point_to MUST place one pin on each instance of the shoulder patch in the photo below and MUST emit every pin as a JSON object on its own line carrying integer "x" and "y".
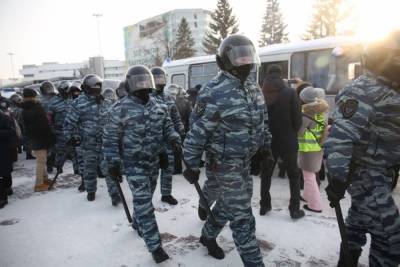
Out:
{"x": 200, "y": 108}
{"x": 348, "y": 108}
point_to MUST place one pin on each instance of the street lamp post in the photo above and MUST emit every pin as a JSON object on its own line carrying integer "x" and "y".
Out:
{"x": 98, "y": 16}
{"x": 12, "y": 64}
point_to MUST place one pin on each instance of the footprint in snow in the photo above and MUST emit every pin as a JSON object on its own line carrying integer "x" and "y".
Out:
{"x": 9, "y": 222}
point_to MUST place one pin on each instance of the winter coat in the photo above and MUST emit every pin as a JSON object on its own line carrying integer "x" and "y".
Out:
{"x": 311, "y": 161}
{"x": 8, "y": 144}
{"x": 284, "y": 113}
{"x": 36, "y": 125}
{"x": 185, "y": 109}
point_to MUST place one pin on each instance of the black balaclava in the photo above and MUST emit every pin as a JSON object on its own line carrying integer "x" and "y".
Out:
{"x": 143, "y": 95}
{"x": 241, "y": 72}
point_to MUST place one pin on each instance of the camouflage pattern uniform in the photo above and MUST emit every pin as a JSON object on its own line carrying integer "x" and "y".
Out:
{"x": 210, "y": 187}
{"x": 166, "y": 174}
{"x": 51, "y": 153}
{"x": 112, "y": 187}
{"x": 88, "y": 117}
{"x": 232, "y": 124}
{"x": 45, "y": 101}
{"x": 362, "y": 148}
{"x": 132, "y": 137}
{"x": 57, "y": 110}
{"x": 77, "y": 159}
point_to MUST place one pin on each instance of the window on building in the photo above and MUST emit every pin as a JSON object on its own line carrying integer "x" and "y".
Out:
{"x": 28, "y": 75}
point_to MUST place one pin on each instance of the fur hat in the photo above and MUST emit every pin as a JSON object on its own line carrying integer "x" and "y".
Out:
{"x": 310, "y": 94}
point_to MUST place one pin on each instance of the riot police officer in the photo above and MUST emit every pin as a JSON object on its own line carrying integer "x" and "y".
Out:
{"x": 159, "y": 95}
{"x": 48, "y": 91}
{"x": 231, "y": 126}
{"x": 137, "y": 125}
{"x": 57, "y": 110}
{"x": 362, "y": 151}
{"x": 84, "y": 125}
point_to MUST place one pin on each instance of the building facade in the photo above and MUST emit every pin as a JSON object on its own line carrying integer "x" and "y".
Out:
{"x": 107, "y": 69}
{"x": 151, "y": 41}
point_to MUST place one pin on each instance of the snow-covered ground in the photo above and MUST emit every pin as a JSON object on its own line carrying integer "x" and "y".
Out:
{"x": 61, "y": 228}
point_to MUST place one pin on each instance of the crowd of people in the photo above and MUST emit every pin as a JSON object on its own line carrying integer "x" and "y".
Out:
{"x": 235, "y": 129}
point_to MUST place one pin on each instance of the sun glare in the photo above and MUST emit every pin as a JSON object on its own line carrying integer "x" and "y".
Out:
{"x": 377, "y": 18}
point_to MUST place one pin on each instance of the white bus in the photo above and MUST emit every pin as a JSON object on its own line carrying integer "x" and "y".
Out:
{"x": 328, "y": 63}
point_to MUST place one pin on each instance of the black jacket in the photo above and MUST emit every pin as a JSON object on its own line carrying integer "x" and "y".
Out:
{"x": 185, "y": 109}
{"x": 37, "y": 126}
{"x": 8, "y": 144}
{"x": 284, "y": 114}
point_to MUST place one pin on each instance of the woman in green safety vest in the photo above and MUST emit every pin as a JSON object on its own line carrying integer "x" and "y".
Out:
{"x": 310, "y": 139}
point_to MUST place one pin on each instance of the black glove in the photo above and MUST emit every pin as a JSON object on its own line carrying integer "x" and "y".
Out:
{"x": 177, "y": 148}
{"x": 115, "y": 172}
{"x": 163, "y": 157}
{"x": 335, "y": 191}
{"x": 191, "y": 175}
{"x": 74, "y": 141}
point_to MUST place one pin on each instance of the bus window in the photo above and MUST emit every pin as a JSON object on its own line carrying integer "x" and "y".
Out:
{"x": 318, "y": 67}
{"x": 179, "y": 79}
{"x": 297, "y": 65}
{"x": 202, "y": 73}
{"x": 263, "y": 70}
{"x": 348, "y": 60}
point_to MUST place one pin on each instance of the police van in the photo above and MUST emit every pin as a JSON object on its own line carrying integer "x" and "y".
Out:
{"x": 327, "y": 63}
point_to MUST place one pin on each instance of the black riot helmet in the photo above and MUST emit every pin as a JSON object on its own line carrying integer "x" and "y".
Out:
{"x": 237, "y": 55}
{"x": 75, "y": 89}
{"x": 382, "y": 57}
{"x": 63, "y": 88}
{"x": 160, "y": 77}
{"x": 109, "y": 94}
{"x": 91, "y": 84}
{"x": 47, "y": 88}
{"x": 139, "y": 78}
{"x": 121, "y": 90}
{"x": 15, "y": 99}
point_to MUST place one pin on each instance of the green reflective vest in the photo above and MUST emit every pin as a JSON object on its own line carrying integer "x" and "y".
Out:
{"x": 309, "y": 142}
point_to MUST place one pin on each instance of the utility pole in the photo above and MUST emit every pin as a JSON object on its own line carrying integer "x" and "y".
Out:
{"x": 98, "y": 16}
{"x": 12, "y": 64}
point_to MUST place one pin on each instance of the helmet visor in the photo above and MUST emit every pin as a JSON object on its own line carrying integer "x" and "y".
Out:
{"x": 141, "y": 81}
{"x": 243, "y": 55}
{"x": 159, "y": 79}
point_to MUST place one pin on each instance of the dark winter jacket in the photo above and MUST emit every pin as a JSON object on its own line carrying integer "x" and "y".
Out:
{"x": 36, "y": 125}
{"x": 284, "y": 113}
{"x": 185, "y": 109}
{"x": 8, "y": 144}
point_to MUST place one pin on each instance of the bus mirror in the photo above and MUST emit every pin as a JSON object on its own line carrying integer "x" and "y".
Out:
{"x": 354, "y": 70}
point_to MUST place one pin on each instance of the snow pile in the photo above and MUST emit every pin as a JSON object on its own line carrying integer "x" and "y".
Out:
{"x": 61, "y": 228}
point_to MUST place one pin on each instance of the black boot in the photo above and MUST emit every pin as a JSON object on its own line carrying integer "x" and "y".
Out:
{"x": 296, "y": 214}
{"x": 29, "y": 156}
{"x": 49, "y": 169}
{"x": 159, "y": 255}
{"x": 214, "y": 250}
{"x": 202, "y": 213}
{"x": 82, "y": 188}
{"x": 354, "y": 256}
{"x": 3, "y": 202}
{"x": 9, "y": 191}
{"x": 115, "y": 199}
{"x": 265, "y": 208}
{"x": 91, "y": 196}
{"x": 169, "y": 199}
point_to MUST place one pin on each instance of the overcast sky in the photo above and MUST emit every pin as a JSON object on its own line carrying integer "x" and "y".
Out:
{"x": 65, "y": 30}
